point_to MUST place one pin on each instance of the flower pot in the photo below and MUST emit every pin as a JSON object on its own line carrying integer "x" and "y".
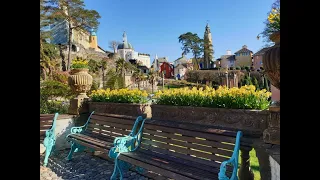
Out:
{"x": 80, "y": 81}
{"x": 253, "y": 121}
{"x": 271, "y": 61}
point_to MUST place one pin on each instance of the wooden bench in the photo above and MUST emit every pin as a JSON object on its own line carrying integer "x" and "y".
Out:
{"x": 182, "y": 151}
{"x": 47, "y": 133}
{"x": 99, "y": 132}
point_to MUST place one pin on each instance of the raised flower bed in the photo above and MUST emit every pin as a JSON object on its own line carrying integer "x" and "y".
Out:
{"x": 239, "y": 108}
{"x": 121, "y": 101}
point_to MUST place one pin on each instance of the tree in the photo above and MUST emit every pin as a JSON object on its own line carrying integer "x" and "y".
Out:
{"x": 152, "y": 78}
{"x": 113, "y": 45}
{"x": 138, "y": 76}
{"x": 78, "y": 18}
{"x": 192, "y": 43}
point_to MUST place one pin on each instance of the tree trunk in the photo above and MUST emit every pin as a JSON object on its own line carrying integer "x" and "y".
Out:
{"x": 152, "y": 87}
{"x": 70, "y": 44}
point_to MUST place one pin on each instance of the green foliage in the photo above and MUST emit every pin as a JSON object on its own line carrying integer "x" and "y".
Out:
{"x": 114, "y": 81}
{"x": 245, "y": 97}
{"x": 60, "y": 77}
{"x": 192, "y": 43}
{"x": 50, "y": 89}
{"x": 119, "y": 96}
{"x": 50, "y": 107}
{"x": 238, "y": 68}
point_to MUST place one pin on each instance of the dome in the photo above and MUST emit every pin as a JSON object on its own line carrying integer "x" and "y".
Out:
{"x": 125, "y": 45}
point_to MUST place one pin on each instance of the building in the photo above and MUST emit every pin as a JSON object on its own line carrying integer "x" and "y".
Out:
{"x": 81, "y": 38}
{"x": 167, "y": 69}
{"x": 180, "y": 70}
{"x": 126, "y": 51}
{"x": 181, "y": 60}
{"x": 157, "y": 62}
{"x": 257, "y": 58}
{"x": 208, "y": 49}
{"x": 227, "y": 60}
{"x": 243, "y": 57}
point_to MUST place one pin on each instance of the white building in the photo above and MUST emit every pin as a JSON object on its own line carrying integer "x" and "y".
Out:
{"x": 126, "y": 51}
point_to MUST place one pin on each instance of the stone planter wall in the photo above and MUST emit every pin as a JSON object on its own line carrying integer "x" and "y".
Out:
{"x": 251, "y": 121}
{"x": 121, "y": 108}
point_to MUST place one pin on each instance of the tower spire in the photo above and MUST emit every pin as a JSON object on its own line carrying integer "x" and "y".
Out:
{"x": 124, "y": 37}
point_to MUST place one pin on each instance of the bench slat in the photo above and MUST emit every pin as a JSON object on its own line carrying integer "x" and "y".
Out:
{"x": 191, "y": 139}
{"x": 185, "y": 151}
{"x": 92, "y": 140}
{"x": 208, "y": 136}
{"x": 175, "y": 169}
{"x": 112, "y": 119}
{"x": 189, "y": 145}
{"x": 153, "y": 168}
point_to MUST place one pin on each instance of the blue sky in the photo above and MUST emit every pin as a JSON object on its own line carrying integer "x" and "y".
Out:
{"x": 153, "y": 27}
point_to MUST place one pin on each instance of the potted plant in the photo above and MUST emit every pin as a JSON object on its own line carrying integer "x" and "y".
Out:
{"x": 240, "y": 108}
{"x": 130, "y": 102}
{"x": 80, "y": 82}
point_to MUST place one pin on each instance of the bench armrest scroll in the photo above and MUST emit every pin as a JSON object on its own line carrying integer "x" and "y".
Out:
{"x": 79, "y": 129}
{"x": 50, "y": 132}
{"x": 233, "y": 160}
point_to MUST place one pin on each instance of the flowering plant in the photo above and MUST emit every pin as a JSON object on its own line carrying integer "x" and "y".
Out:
{"x": 246, "y": 97}
{"x": 119, "y": 96}
{"x": 79, "y": 63}
{"x": 273, "y": 21}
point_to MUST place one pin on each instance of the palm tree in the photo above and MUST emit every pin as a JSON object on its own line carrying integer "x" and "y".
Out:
{"x": 152, "y": 77}
{"x": 138, "y": 76}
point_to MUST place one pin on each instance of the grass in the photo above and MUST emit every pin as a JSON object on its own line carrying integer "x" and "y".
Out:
{"x": 254, "y": 164}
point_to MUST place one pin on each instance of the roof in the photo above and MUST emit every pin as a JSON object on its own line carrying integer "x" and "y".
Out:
{"x": 183, "y": 58}
{"x": 228, "y": 57}
{"x": 261, "y": 51}
{"x": 243, "y": 50}
{"x": 143, "y": 67}
{"x": 125, "y": 45}
{"x": 163, "y": 59}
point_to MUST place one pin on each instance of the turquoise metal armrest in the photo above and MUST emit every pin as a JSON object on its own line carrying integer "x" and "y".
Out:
{"x": 79, "y": 129}
{"x": 233, "y": 160}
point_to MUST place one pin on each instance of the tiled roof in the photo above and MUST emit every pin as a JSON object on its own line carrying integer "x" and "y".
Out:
{"x": 243, "y": 50}
{"x": 228, "y": 57}
{"x": 261, "y": 51}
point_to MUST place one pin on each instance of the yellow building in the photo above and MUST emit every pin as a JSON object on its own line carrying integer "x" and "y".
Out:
{"x": 244, "y": 57}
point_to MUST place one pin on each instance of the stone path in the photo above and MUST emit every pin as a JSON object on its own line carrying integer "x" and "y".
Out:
{"x": 83, "y": 166}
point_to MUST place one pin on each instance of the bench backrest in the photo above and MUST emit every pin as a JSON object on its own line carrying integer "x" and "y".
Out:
{"x": 102, "y": 125}
{"x": 46, "y": 123}
{"x": 205, "y": 149}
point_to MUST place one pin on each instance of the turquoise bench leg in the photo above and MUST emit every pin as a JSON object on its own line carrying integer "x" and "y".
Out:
{"x": 73, "y": 149}
{"x": 48, "y": 151}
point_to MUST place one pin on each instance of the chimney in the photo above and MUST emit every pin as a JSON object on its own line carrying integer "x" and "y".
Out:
{"x": 228, "y": 52}
{"x": 245, "y": 46}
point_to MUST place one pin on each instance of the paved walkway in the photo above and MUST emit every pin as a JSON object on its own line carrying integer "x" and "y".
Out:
{"x": 83, "y": 166}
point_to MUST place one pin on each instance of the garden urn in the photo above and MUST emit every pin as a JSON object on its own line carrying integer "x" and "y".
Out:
{"x": 271, "y": 61}
{"x": 80, "y": 82}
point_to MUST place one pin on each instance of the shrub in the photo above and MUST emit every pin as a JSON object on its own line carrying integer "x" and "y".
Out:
{"x": 51, "y": 89}
{"x": 119, "y": 96}
{"x": 238, "y": 68}
{"x": 50, "y": 107}
{"x": 245, "y": 97}
{"x": 60, "y": 76}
